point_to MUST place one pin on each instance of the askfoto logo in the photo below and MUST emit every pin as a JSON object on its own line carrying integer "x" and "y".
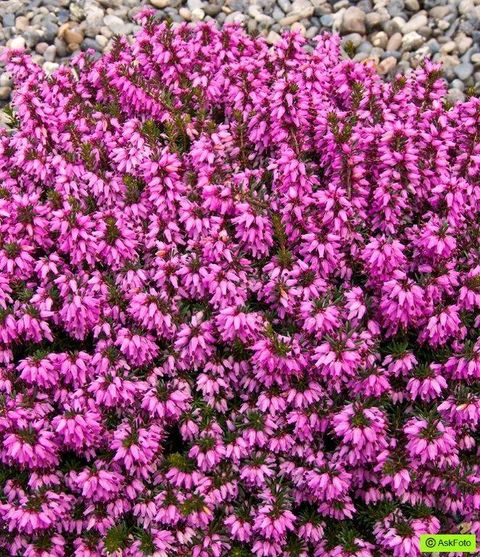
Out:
{"x": 448, "y": 543}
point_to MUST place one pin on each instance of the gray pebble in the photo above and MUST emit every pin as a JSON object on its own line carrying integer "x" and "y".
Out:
{"x": 463, "y": 71}
{"x": 50, "y": 53}
{"x": 117, "y": 25}
{"x": 458, "y": 84}
{"x": 396, "y": 7}
{"x": 277, "y": 13}
{"x": 284, "y": 5}
{"x": 365, "y": 47}
{"x": 412, "y": 5}
{"x": 212, "y": 9}
{"x": 8, "y": 20}
{"x": 90, "y": 43}
{"x": 355, "y": 38}
{"x": 326, "y": 20}
{"x": 412, "y": 41}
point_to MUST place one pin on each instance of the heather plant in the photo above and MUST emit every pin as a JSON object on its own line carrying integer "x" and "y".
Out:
{"x": 239, "y": 303}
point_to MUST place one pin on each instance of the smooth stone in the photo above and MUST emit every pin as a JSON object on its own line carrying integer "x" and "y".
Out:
{"x": 21, "y": 23}
{"x": 458, "y": 84}
{"x": 63, "y": 16}
{"x": 5, "y": 80}
{"x": 412, "y": 41}
{"x": 465, "y": 7}
{"x": 160, "y": 3}
{"x": 77, "y": 12}
{"x": 433, "y": 46}
{"x": 448, "y": 47}
{"x": 91, "y": 43}
{"x": 373, "y": 20}
{"x": 414, "y": 23}
{"x": 260, "y": 17}
{"x": 198, "y": 14}
{"x": 380, "y": 39}
{"x": 273, "y": 37}
{"x": 285, "y": 6}
{"x": 475, "y": 59}
{"x": 50, "y": 67}
{"x": 443, "y": 25}
{"x": 105, "y": 31}
{"x": 463, "y": 71}
{"x": 360, "y": 56}
{"x": 8, "y": 20}
{"x": 455, "y": 95}
{"x": 101, "y": 40}
{"x": 235, "y": 17}
{"x": 365, "y": 47}
{"x": 463, "y": 42}
{"x": 355, "y": 38}
{"x": 353, "y": 21}
{"x": 49, "y": 28}
{"x": 117, "y": 25}
{"x": 326, "y": 20}
{"x": 41, "y": 48}
{"x": 212, "y": 9}
{"x": 94, "y": 17}
{"x": 393, "y": 26}
{"x": 17, "y": 43}
{"x": 73, "y": 36}
{"x": 387, "y": 65}
{"x": 61, "y": 47}
{"x": 5, "y": 93}
{"x": 394, "y": 42}
{"x": 425, "y": 31}
{"x": 439, "y": 12}
{"x": 194, "y": 4}
{"x": 298, "y": 27}
{"x": 395, "y": 7}
{"x": 50, "y": 53}
{"x": 185, "y": 13}
{"x": 412, "y": 5}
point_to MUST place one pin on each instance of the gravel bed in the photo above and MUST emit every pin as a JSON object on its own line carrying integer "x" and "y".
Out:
{"x": 396, "y": 34}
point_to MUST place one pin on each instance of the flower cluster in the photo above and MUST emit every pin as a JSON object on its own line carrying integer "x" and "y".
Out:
{"x": 239, "y": 303}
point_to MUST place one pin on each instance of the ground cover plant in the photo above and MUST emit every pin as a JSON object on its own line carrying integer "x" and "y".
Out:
{"x": 239, "y": 292}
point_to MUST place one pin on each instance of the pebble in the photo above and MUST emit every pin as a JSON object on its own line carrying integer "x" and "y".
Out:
{"x": 17, "y": 43}
{"x": 198, "y": 14}
{"x": 380, "y": 39}
{"x": 273, "y": 38}
{"x": 411, "y": 41}
{"x": 414, "y": 24}
{"x": 412, "y": 5}
{"x": 463, "y": 71}
{"x": 50, "y": 67}
{"x": 394, "y": 42}
{"x": 4, "y": 93}
{"x": 353, "y": 21}
{"x": 50, "y": 53}
{"x": 73, "y": 36}
{"x": 117, "y": 25}
{"x": 387, "y": 65}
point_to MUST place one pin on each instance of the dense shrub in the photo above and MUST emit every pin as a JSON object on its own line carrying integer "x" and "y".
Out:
{"x": 239, "y": 294}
